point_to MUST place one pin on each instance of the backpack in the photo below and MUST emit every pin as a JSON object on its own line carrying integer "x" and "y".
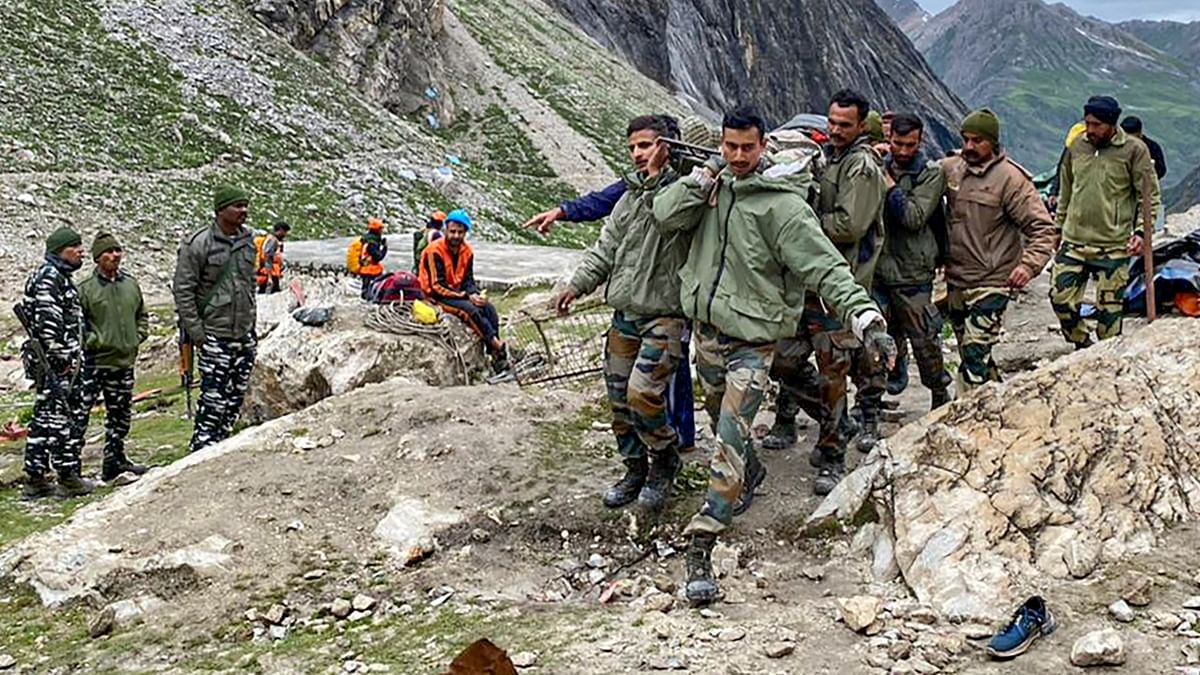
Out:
{"x": 395, "y": 287}
{"x": 354, "y": 255}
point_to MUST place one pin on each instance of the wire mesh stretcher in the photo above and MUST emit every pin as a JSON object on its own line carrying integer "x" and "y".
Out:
{"x": 548, "y": 347}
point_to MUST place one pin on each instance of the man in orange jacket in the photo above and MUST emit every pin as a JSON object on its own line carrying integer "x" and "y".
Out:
{"x": 447, "y": 275}
{"x": 270, "y": 258}
{"x": 374, "y": 250}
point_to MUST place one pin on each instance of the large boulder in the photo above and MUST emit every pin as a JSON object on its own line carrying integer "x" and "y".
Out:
{"x": 1059, "y": 470}
{"x": 299, "y": 365}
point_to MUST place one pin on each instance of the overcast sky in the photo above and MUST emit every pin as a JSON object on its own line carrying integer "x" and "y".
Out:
{"x": 1113, "y": 10}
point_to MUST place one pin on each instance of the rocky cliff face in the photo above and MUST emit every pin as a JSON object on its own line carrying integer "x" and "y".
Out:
{"x": 787, "y": 57}
{"x": 391, "y": 50}
{"x": 1185, "y": 194}
{"x": 908, "y": 15}
{"x": 1181, "y": 40}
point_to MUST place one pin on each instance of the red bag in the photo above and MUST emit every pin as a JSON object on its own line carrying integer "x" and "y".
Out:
{"x": 396, "y": 287}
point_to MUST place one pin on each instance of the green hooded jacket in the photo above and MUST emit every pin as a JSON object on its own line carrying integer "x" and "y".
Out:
{"x": 1100, "y": 190}
{"x": 909, "y": 255}
{"x": 755, "y": 253}
{"x": 851, "y": 206}
{"x": 640, "y": 263}
{"x": 114, "y": 319}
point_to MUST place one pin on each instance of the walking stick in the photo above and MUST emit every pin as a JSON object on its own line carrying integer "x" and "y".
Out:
{"x": 1148, "y": 248}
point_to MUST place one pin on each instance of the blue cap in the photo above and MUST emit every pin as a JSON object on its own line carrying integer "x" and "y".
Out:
{"x": 459, "y": 216}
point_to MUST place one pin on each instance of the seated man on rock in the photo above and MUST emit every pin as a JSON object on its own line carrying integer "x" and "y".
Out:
{"x": 447, "y": 276}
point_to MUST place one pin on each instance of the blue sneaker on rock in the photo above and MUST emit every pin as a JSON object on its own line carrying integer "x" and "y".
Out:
{"x": 1030, "y": 622}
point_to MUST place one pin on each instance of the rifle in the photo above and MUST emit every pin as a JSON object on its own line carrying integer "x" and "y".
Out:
{"x": 44, "y": 372}
{"x": 186, "y": 363}
{"x": 686, "y": 155}
{"x": 1148, "y": 248}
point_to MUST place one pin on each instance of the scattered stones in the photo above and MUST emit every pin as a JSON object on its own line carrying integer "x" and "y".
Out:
{"x": 813, "y": 572}
{"x": 659, "y": 602}
{"x": 313, "y": 575}
{"x": 275, "y": 614}
{"x": 881, "y": 661}
{"x": 731, "y": 634}
{"x": 665, "y": 583}
{"x": 668, "y": 663}
{"x": 726, "y": 559}
{"x": 340, "y": 608}
{"x": 1099, "y": 648}
{"x": 597, "y": 561}
{"x": 709, "y": 613}
{"x": 362, "y": 603}
{"x": 1082, "y": 556}
{"x": 480, "y": 535}
{"x": 924, "y": 615}
{"x": 304, "y": 443}
{"x": 1121, "y": 611}
{"x": 102, "y": 624}
{"x": 778, "y": 650}
{"x": 1137, "y": 590}
{"x": 277, "y": 632}
{"x": 524, "y": 659}
{"x": 1191, "y": 651}
{"x": 357, "y": 616}
{"x": 1192, "y": 602}
{"x": 1165, "y": 620}
{"x": 977, "y": 631}
{"x": 7, "y": 661}
{"x": 899, "y": 650}
{"x": 860, "y": 611}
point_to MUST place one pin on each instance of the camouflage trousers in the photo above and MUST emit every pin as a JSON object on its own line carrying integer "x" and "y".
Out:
{"x": 1073, "y": 267}
{"x": 912, "y": 316}
{"x": 49, "y": 442}
{"x": 116, "y": 386}
{"x": 640, "y": 358}
{"x": 734, "y": 374}
{"x": 976, "y": 315}
{"x": 225, "y": 365}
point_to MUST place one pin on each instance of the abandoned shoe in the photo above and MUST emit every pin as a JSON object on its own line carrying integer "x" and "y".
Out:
{"x": 74, "y": 485}
{"x": 756, "y": 473}
{"x": 37, "y": 487}
{"x": 1031, "y": 621}
{"x": 659, "y": 478}
{"x": 897, "y": 380}
{"x": 118, "y": 464}
{"x": 701, "y": 584}
{"x": 782, "y": 435}
{"x": 828, "y": 476}
{"x": 626, "y": 490}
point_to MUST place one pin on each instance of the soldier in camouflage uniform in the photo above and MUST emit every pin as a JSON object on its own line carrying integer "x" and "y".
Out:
{"x": 51, "y": 305}
{"x": 1000, "y": 238}
{"x": 215, "y": 300}
{"x": 904, "y": 278}
{"x": 115, "y": 324}
{"x": 851, "y": 211}
{"x": 643, "y": 346}
{"x": 756, "y": 245}
{"x": 1101, "y": 184}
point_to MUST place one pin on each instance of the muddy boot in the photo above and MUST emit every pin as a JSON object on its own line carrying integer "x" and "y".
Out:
{"x": 869, "y": 435}
{"x": 500, "y": 362}
{"x": 756, "y": 473}
{"x": 897, "y": 380}
{"x": 37, "y": 487}
{"x": 782, "y": 435}
{"x": 117, "y": 464}
{"x": 659, "y": 480}
{"x": 626, "y": 490}
{"x": 939, "y": 398}
{"x": 74, "y": 485}
{"x": 829, "y": 475}
{"x": 701, "y": 584}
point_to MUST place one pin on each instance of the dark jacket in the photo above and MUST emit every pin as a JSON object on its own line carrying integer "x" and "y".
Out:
{"x": 115, "y": 322}
{"x": 1156, "y": 154}
{"x": 910, "y": 252}
{"x": 51, "y": 302}
{"x": 210, "y": 297}
{"x": 593, "y": 205}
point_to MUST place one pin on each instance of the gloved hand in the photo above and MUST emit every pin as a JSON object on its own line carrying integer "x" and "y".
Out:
{"x": 880, "y": 346}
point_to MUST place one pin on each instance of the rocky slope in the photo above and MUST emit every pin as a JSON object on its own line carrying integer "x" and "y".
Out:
{"x": 1036, "y": 64}
{"x": 1181, "y": 40}
{"x": 907, "y": 14}
{"x": 787, "y": 57}
{"x": 1185, "y": 194}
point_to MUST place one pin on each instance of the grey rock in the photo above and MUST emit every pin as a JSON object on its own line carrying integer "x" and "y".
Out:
{"x": 1099, "y": 648}
{"x": 596, "y": 561}
{"x": 7, "y": 661}
{"x": 275, "y": 614}
{"x": 362, "y": 603}
{"x": 340, "y": 608}
{"x": 1192, "y": 602}
{"x": 102, "y": 624}
{"x": 1121, "y": 611}
{"x": 778, "y": 650}
{"x": 277, "y": 632}
{"x": 881, "y": 661}
{"x": 731, "y": 634}
{"x": 1138, "y": 590}
{"x": 668, "y": 663}
{"x": 524, "y": 659}
{"x": 860, "y": 611}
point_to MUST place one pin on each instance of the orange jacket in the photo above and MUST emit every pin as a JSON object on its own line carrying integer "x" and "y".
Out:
{"x": 443, "y": 275}
{"x": 269, "y": 266}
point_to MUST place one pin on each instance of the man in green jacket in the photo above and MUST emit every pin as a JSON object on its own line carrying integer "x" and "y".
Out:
{"x": 903, "y": 284}
{"x": 215, "y": 300}
{"x": 1103, "y": 177}
{"x": 642, "y": 350}
{"x": 756, "y": 246}
{"x": 851, "y": 215}
{"x": 115, "y": 323}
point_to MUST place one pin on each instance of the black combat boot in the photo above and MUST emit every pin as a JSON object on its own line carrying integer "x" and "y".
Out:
{"x": 829, "y": 474}
{"x": 659, "y": 480}
{"x": 701, "y": 584}
{"x": 782, "y": 434}
{"x": 939, "y": 398}
{"x": 116, "y": 464}
{"x": 74, "y": 485}
{"x": 626, "y": 490}
{"x": 37, "y": 487}
{"x": 756, "y": 473}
